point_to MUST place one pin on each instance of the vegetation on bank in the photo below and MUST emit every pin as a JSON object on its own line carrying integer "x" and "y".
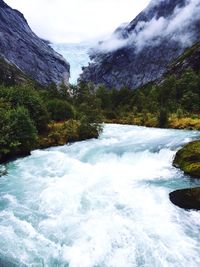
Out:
{"x": 173, "y": 103}
{"x": 32, "y": 117}
{"x": 35, "y": 117}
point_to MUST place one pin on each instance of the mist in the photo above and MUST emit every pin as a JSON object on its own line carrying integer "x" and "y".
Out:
{"x": 152, "y": 32}
{"x": 74, "y": 21}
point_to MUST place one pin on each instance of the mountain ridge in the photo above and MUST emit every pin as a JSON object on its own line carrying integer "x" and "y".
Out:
{"x": 20, "y": 46}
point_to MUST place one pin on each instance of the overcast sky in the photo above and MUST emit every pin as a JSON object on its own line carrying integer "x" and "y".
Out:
{"x": 76, "y": 20}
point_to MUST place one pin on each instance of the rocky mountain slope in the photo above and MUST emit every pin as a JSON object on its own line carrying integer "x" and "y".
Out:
{"x": 33, "y": 56}
{"x": 140, "y": 52}
{"x": 190, "y": 59}
{"x": 11, "y": 75}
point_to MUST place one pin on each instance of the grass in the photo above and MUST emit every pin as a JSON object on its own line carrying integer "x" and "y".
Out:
{"x": 184, "y": 123}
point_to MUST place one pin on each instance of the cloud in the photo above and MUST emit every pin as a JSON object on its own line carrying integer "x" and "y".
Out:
{"x": 76, "y": 20}
{"x": 175, "y": 27}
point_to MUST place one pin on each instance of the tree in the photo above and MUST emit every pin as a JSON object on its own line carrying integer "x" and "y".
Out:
{"x": 18, "y": 134}
{"x": 163, "y": 118}
{"x": 88, "y": 104}
{"x": 30, "y": 99}
{"x": 23, "y": 131}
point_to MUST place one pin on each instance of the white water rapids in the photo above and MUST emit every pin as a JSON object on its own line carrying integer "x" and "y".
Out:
{"x": 100, "y": 203}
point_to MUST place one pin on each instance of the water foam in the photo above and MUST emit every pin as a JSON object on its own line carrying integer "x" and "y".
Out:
{"x": 100, "y": 203}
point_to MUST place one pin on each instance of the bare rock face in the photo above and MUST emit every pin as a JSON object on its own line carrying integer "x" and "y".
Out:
{"x": 21, "y": 47}
{"x": 140, "y": 52}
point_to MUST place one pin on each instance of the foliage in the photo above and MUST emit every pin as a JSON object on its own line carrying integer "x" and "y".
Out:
{"x": 57, "y": 115}
{"x": 30, "y": 99}
{"x": 87, "y": 103}
{"x": 17, "y": 131}
{"x": 59, "y": 133}
{"x": 174, "y": 95}
{"x": 60, "y": 110}
{"x": 33, "y": 117}
{"x": 163, "y": 118}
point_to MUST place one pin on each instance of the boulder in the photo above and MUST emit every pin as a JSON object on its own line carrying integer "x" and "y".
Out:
{"x": 186, "y": 198}
{"x": 188, "y": 159}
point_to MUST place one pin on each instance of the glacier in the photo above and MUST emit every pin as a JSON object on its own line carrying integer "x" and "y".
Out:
{"x": 76, "y": 54}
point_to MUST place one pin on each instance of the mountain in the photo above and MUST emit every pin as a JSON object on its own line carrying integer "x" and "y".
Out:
{"x": 190, "y": 59}
{"x": 19, "y": 46}
{"x": 140, "y": 52}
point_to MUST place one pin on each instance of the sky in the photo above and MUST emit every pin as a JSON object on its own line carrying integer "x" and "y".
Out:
{"x": 73, "y": 21}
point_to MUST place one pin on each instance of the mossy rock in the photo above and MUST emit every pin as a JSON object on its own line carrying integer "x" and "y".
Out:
{"x": 188, "y": 159}
{"x": 186, "y": 198}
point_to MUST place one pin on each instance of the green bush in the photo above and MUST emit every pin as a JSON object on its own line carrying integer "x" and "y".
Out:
{"x": 25, "y": 116}
{"x": 88, "y": 130}
{"x": 60, "y": 110}
{"x": 18, "y": 134}
{"x": 23, "y": 132}
{"x": 30, "y": 99}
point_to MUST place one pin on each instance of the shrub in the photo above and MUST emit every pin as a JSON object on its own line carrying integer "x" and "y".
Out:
{"x": 88, "y": 130}
{"x": 18, "y": 134}
{"x": 23, "y": 132}
{"x": 27, "y": 97}
{"x": 60, "y": 110}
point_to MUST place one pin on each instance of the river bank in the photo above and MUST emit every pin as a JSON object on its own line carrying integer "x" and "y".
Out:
{"x": 62, "y": 133}
{"x": 150, "y": 120}
{"x": 58, "y": 134}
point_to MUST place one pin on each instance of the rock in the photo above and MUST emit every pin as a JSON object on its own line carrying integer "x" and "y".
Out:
{"x": 143, "y": 49}
{"x": 188, "y": 159}
{"x": 30, "y": 54}
{"x": 186, "y": 198}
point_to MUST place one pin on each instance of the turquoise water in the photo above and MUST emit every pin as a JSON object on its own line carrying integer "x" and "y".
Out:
{"x": 100, "y": 203}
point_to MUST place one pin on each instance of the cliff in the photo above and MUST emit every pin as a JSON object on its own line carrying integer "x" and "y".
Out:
{"x": 19, "y": 46}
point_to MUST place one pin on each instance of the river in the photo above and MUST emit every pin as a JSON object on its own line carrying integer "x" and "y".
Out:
{"x": 100, "y": 203}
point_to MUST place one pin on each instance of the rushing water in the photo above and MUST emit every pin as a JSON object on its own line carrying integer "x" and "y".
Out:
{"x": 100, "y": 203}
